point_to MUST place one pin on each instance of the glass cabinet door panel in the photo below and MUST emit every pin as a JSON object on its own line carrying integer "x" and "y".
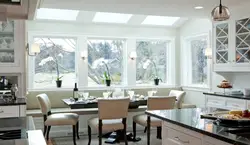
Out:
{"x": 222, "y": 43}
{"x": 243, "y": 41}
{"x": 7, "y": 42}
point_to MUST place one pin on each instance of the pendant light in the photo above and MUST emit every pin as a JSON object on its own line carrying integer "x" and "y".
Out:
{"x": 220, "y": 13}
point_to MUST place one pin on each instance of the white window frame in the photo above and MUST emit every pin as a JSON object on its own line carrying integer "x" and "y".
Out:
{"x": 187, "y": 62}
{"x": 170, "y": 79}
{"x": 31, "y": 59}
{"x": 129, "y": 69}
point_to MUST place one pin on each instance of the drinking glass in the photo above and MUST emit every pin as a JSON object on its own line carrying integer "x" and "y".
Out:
{"x": 85, "y": 95}
{"x": 150, "y": 93}
{"x": 105, "y": 95}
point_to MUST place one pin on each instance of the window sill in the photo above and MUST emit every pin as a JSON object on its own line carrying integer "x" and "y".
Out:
{"x": 198, "y": 88}
{"x": 102, "y": 87}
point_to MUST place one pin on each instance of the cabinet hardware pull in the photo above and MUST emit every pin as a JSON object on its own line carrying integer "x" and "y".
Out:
{"x": 178, "y": 139}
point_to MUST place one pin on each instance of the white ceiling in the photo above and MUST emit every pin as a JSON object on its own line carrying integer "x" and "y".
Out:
{"x": 180, "y": 8}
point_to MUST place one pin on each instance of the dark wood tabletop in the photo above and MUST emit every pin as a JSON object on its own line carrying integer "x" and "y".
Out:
{"x": 93, "y": 103}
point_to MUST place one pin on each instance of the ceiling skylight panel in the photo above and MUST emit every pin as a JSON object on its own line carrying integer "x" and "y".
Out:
{"x": 160, "y": 20}
{"x": 57, "y": 14}
{"x": 111, "y": 17}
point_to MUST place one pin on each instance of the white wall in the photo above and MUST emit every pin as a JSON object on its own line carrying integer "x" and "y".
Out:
{"x": 192, "y": 28}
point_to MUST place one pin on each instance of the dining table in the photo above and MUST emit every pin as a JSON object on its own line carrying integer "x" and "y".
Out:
{"x": 92, "y": 102}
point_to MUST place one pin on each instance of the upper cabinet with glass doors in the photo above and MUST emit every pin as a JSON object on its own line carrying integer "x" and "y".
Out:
{"x": 242, "y": 41}
{"x": 12, "y": 46}
{"x": 232, "y": 46}
{"x": 221, "y": 43}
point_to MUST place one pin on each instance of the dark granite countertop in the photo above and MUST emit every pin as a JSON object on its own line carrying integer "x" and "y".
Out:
{"x": 26, "y": 123}
{"x": 18, "y": 101}
{"x": 190, "y": 118}
{"x": 227, "y": 95}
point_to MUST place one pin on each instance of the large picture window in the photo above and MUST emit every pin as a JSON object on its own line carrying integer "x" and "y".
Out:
{"x": 56, "y": 60}
{"x": 151, "y": 61}
{"x": 105, "y": 56}
{"x": 198, "y": 61}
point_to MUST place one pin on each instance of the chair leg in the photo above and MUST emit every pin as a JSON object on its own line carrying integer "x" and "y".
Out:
{"x": 124, "y": 121}
{"x": 148, "y": 131}
{"x": 74, "y": 134}
{"x": 49, "y": 127}
{"x": 44, "y": 130}
{"x": 100, "y": 132}
{"x": 134, "y": 130}
{"x": 77, "y": 130}
{"x": 145, "y": 129}
{"x": 158, "y": 136}
{"x": 89, "y": 133}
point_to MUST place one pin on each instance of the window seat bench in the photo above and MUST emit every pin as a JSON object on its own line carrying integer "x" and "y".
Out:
{"x": 88, "y": 111}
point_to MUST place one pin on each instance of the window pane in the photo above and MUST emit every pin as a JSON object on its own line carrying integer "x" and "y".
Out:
{"x": 103, "y": 52}
{"x": 199, "y": 61}
{"x": 56, "y": 59}
{"x": 151, "y": 61}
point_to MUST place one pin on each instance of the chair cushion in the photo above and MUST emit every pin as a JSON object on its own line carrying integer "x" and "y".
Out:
{"x": 107, "y": 125}
{"x": 62, "y": 119}
{"x": 142, "y": 120}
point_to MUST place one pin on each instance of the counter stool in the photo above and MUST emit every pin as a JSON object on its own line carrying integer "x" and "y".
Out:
{"x": 57, "y": 119}
{"x": 154, "y": 103}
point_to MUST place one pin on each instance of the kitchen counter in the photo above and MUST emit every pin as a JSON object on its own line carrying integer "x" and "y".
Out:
{"x": 227, "y": 95}
{"x": 190, "y": 119}
{"x": 35, "y": 137}
{"x": 18, "y": 101}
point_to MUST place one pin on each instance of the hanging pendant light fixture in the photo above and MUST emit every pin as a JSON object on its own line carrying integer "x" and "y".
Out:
{"x": 220, "y": 13}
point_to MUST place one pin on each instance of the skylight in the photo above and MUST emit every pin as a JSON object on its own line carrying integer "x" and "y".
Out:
{"x": 160, "y": 20}
{"x": 111, "y": 17}
{"x": 56, "y": 14}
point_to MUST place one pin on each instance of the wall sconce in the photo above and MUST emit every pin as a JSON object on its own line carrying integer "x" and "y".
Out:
{"x": 33, "y": 50}
{"x": 133, "y": 55}
{"x": 84, "y": 55}
{"x": 208, "y": 53}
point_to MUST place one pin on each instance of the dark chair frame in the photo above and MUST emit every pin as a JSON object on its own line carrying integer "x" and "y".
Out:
{"x": 46, "y": 130}
{"x": 124, "y": 122}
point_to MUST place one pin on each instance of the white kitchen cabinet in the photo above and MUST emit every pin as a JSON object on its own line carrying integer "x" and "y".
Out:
{"x": 9, "y": 111}
{"x": 226, "y": 103}
{"x": 175, "y": 135}
{"x": 231, "y": 43}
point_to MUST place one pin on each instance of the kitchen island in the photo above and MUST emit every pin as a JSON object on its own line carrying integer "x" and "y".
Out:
{"x": 185, "y": 126}
{"x": 20, "y": 131}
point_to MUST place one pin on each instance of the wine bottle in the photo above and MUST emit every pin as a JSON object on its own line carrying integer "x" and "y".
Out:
{"x": 75, "y": 92}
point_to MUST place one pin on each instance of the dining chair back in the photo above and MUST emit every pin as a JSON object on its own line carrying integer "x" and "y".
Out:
{"x": 113, "y": 108}
{"x": 161, "y": 103}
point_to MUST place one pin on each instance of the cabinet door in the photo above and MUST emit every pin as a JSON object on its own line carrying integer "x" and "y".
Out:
{"x": 10, "y": 47}
{"x": 242, "y": 40}
{"x": 221, "y": 43}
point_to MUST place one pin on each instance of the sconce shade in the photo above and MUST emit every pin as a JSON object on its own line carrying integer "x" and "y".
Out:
{"x": 35, "y": 48}
{"x": 84, "y": 54}
{"x": 208, "y": 52}
{"x": 133, "y": 55}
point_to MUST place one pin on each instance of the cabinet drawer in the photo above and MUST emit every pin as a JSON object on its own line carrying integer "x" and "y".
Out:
{"x": 215, "y": 101}
{"x": 236, "y": 104}
{"x": 9, "y": 111}
{"x": 173, "y": 137}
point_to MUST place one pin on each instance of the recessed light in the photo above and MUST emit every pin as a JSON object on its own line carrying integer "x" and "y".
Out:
{"x": 198, "y": 7}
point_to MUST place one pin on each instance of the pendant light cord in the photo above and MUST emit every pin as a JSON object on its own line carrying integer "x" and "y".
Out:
{"x": 220, "y": 9}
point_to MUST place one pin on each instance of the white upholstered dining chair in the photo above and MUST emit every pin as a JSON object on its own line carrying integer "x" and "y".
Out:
{"x": 112, "y": 116}
{"x": 57, "y": 119}
{"x": 154, "y": 103}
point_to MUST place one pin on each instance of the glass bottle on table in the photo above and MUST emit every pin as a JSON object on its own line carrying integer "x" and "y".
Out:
{"x": 75, "y": 92}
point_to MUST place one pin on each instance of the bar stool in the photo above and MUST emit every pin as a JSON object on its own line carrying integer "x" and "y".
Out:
{"x": 112, "y": 116}
{"x": 154, "y": 103}
{"x": 57, "y": 119}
